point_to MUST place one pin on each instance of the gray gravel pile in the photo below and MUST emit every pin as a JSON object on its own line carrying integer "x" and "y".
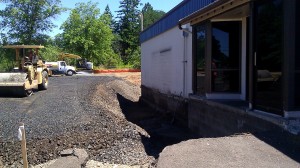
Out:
{"x": 75, "y": 112}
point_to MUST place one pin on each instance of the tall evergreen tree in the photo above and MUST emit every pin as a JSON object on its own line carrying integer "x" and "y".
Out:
{"x": 110, "y": 18}
{"x": 150, "y": 15}
{"x": 27, "y": 22}
{"x": 129, "y": 27}
{"x": 107, "y": 11}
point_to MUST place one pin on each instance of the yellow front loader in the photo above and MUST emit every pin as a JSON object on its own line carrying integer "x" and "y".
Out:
{"x": 62, "y": 56}
{"x": 81, "y": 63}
{"x": 28, "y": 74}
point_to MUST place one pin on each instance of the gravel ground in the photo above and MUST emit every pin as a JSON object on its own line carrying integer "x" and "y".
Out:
{"x": 239, "y": 151}
{"x": 75, "y": 112}
{"x": 102, "y": 114}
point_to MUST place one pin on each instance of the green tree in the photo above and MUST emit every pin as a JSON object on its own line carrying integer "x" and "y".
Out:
{"x": 128, "y": 27}
{"x": 87, "y": 34}
{"x": 135, "y": 58}
{"x": 50, "y": 53}
{"x": 7, "y": 57}
{"x": 59, "y": 40}
{"x": 150, "y": 15}
{"x": 27, "y": 21}
{"x": 110, "y": 18}
{"x": 116, "y": 45}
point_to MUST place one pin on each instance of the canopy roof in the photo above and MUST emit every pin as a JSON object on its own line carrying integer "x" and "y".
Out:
{"x": 214, "y": 9}
{"x": 23, "y": 46}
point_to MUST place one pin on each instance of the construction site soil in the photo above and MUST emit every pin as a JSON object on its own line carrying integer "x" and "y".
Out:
{"x": 99, "y": 113}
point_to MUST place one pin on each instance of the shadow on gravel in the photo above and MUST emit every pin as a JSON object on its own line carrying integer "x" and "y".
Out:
{"x": 14, "y": 93}
{"x": 283, "y": 141}
{"x": 275, "y": 136}
{"x": 164, "y": 132}
{"x": 10, "y": 95}
{"x": 162, "y": 129}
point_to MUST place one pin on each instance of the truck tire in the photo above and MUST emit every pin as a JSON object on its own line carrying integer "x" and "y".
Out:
{"x": 44, "y": 84}
{"x": 70, "y": 72}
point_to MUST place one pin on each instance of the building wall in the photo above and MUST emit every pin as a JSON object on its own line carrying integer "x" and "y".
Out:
{"x": 166, "y": 104}
{"x": 213, "y": 119}
{"x": 208, "y": 118}
{"x": 163, "y": 63}
{"x": 163, "y": 87}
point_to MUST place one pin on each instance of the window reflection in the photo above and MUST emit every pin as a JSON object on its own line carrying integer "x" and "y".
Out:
{"x": 225, "y": 62}
{"x": 269, "y": 56}
{"x": 200, "y": 59}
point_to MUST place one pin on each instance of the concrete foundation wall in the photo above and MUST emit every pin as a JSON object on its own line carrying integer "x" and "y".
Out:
{"x": 171, "y": 105}
{"x": 211, "y": 119}
{"x": 162, "y": 63}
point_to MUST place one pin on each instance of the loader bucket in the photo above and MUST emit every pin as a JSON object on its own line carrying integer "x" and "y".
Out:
{"x": 13, "y": 84}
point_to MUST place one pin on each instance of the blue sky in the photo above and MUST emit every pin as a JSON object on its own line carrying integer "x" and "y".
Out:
{"x": 164, "y": 5}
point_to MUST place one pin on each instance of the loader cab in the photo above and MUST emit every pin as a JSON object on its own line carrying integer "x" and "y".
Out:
{"x": 81, "y": 63}
{"x": 84, "y": 64}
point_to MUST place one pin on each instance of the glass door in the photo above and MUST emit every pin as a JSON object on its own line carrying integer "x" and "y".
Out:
{"x": 200, "y": 75}
{"x": 268, "y": 56}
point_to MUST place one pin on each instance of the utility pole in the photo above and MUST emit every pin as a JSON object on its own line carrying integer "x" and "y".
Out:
{"x": 142, "y": 21}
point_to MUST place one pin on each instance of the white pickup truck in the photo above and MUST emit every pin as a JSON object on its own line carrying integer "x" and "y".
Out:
{"x": 60, "y": 67}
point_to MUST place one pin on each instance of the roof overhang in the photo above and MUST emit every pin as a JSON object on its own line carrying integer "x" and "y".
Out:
{"x": 212, "y": 10}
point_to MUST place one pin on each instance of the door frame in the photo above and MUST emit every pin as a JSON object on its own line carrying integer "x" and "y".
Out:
{"x": 243, "y": 63}
{"x": 253, "y": 62}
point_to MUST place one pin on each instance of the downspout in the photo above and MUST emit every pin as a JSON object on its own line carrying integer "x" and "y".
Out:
{"x": 184, "y": 62}
{"x": 185, "y": 34}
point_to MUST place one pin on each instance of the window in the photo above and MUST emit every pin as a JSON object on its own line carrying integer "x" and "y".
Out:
{"x": 225, "y": 59}
{"x": 200, "y": 59}
{"x": 269, "y": 44}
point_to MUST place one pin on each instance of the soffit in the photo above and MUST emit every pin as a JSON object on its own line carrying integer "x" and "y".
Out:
{"x": 212, "y": 10}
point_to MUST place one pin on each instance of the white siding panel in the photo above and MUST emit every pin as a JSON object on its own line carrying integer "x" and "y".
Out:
{"x": 162, "y": 63}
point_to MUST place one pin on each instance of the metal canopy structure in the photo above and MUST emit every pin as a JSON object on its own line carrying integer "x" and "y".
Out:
{"x": 23, "y": 46}
{"x": 18, "y": 47}
{"x": 214, "y": 9}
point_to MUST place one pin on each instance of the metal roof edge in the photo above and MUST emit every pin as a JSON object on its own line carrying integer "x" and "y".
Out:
{"x": 205, "y": 9}
{"x": 167, "y": 14}
{"x": 157, "y": 34}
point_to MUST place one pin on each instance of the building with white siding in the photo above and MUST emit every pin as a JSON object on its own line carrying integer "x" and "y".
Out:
{"x": 225, "y": 66}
